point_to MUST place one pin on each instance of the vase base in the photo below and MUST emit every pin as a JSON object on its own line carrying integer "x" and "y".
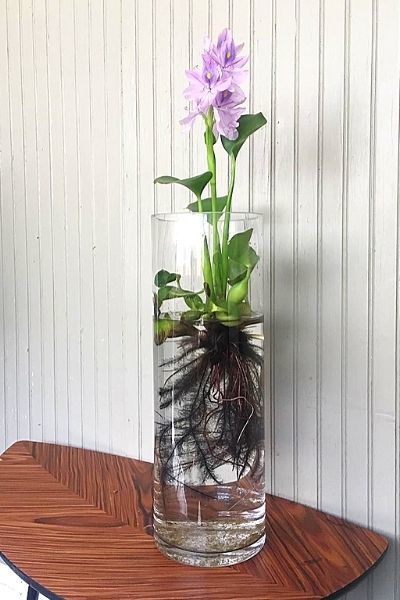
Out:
{"x": 209, "y": 559}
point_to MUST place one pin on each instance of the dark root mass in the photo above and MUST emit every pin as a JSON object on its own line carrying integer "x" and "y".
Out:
{"x": 215, "y": 391}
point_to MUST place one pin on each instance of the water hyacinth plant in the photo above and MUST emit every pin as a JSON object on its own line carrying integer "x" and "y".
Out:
{"x": 218, "y": 100}
{"x": 209, "y": 501}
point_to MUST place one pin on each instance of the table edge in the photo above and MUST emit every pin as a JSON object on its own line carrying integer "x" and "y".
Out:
{"x": 353, "y": 584}
{"x": 52, "y": 596}
{"x": 28, "y": 580}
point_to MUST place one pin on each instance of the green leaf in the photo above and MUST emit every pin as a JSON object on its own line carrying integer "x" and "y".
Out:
{"x": 238, "y": 246}
{"x": 217, "y": 264}
{"x": 207, "y": 270}
{"x": 238, "y": 292}
{"x": 194, "y": 302}
{"x": 236, "y": 271}
{"x": 168, "y": 292}
{"x": 248, "y": 124}
{"x": 206, "y": 205}
{"x": 191, "y": 315}
{"x": 163, "y": 277}
{"x": 220, "y": 307}
{"x": 207, "y": 289}
{"x": 253, "y": 258}
{"x": 240, "y": 251}
{"x": 194, "y": 184}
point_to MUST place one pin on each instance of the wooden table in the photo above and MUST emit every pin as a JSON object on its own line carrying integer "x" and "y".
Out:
{"x": 76, "y": 524}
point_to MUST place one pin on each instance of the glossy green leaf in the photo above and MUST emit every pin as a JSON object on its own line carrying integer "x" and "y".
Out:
{"x": 207, "y": 270}
{"x": 191, "y": 315}
{"x": 169, "y": 292}
{"x": 217, "y": 308}
{"x": 217, "y": 271}
{"x": 248, "y": 124}
{"x": 240, "y": 251}
{"x": 236, "y": 271}
{"x": 239, "y": 291}
{"x": 238, "y": 246}
{"x": 194, "y": 302}
{"x": 206, "y": 206}
{"x": 194, "y": 184}
{"x": 164, "y": 277}
{"x": 207, "y": 289}
{"x": 252, "y": 259}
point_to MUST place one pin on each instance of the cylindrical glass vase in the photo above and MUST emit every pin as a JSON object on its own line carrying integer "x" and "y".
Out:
{"x": 209, "y": 498}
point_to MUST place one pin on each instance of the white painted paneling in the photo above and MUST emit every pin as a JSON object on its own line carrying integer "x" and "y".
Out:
{"x": 331, "y": 106}
{"x": 305, "y": 255}
{"x": 86, "y": 230}
{"x": 144, "y": 17}
{"x": 50, "y": 132}
{"x": 282, "y": 258}
{"x": 130, "y": 227}
{"x": 89, "y": 106}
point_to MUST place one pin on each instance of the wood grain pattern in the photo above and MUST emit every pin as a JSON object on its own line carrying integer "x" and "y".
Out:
{"x": 78, "y": 523}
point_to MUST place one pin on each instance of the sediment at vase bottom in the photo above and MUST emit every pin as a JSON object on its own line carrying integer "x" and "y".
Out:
{"x": 211, "y": 544}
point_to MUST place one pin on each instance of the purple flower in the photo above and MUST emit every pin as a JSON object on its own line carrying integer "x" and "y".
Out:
{"x": 205, "y": 84}
{"x": 228, "y": 108}
{"x": 226, "y": 54}
{"x": 216, "y": 85}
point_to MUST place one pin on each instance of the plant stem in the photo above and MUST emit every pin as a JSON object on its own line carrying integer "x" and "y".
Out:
{"x": 225, "y": 235}
{"x": 212, "y": 167}
{"x": 207, "y": 271}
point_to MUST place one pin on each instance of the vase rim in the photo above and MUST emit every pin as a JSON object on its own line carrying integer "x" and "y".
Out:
{"x": 244, "y": 214}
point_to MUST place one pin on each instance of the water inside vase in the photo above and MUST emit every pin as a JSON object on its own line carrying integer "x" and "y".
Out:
{"x": 209, "y": 497}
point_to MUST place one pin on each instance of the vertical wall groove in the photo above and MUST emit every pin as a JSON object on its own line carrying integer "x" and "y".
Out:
{"x": 272, "y": 244}
{"x": 24, "y": 201}
{"x": 53, "y": 366}
{"x": 154, "y": 96}
{"x": 65, "y": 213}
{"x": 123, "y": 227}
{"x": 295, "y": 257}
{"x": 190, "y": 47}
{"x": 138, "y": 314}
{"x": 371, "y": 261}
{"x": 10, "y": 400}
{"x": 371, "y": 281}
{"x": 251, "y": 104}
{"x": 78, "y": 200}
{"x": 107, "y": 194}
{"x": 344, "y": 324}
{"x": 93, "y": 210}
{"x": 320, "y": 167}
{"x": 172, "y": 87}
{"x": 396, "y": 582}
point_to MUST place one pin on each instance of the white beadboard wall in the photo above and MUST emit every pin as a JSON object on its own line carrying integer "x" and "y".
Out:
{"x": 90, "y": 98}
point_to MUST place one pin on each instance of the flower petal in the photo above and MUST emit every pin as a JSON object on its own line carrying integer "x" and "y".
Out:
{"x": 187, "y": 122}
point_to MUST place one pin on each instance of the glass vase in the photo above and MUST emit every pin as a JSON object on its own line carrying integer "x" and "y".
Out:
{"x": 209, "y": 498}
